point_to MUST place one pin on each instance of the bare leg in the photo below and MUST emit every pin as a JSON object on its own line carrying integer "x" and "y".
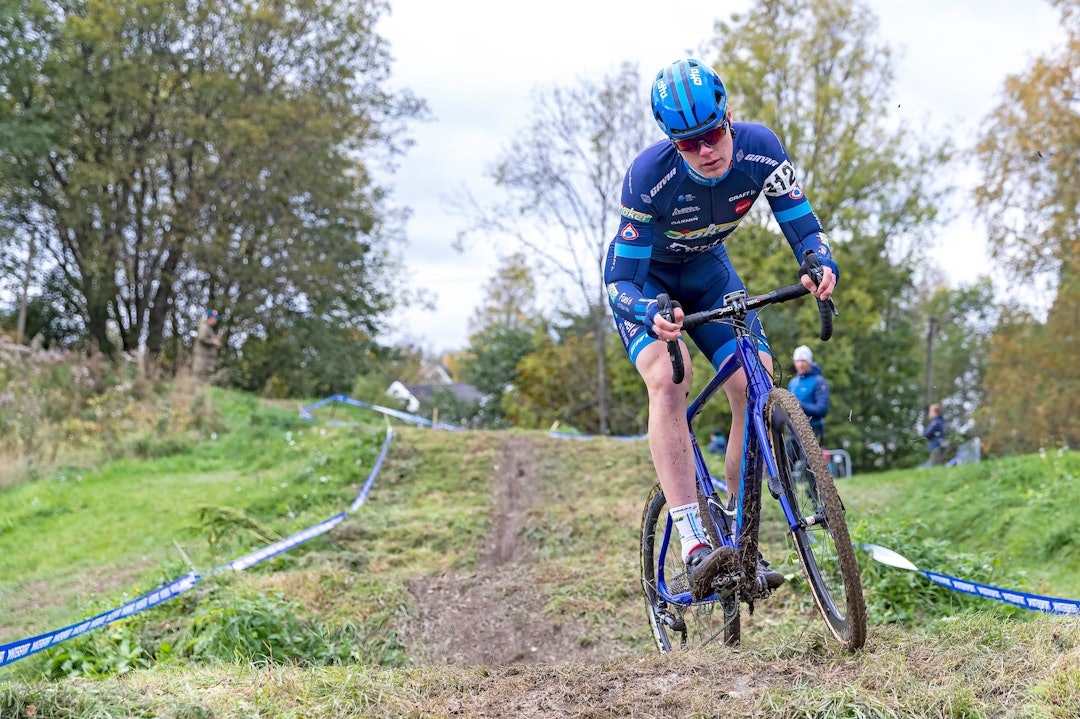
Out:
{"x": 669, "y": 437}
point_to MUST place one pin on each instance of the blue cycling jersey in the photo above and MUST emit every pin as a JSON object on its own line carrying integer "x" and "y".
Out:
{"x": 671, "y": 216}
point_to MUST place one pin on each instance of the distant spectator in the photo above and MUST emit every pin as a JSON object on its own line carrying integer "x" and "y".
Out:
{"x": 935, "y": 435}
{"x": 810, "y": 388}
{"x": 717, "y": 443}
{"x": 207, "y": 343}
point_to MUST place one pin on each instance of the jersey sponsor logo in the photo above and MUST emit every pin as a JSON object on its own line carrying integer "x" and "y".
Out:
{"x": 685, "y": 210}
{"x": 686, "y": 198}
{"x": 632, "y": 214}
{"x": 612, "y": 292}
{"x": 781, "y": 181}
{"x": 664, "y": 181}
{"x": 743, "y": 207}
{"x": 711, "y": 231}
{"x": 685, "y": 220}
{"x": 740, "y": 196}
{"x": 628, "y": 232}
{"x": 763, "y": 159}
{"x": 692, "y": 249}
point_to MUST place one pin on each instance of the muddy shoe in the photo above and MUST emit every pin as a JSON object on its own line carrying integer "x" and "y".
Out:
{"x": 768, "y": 577}
{"x": 703, "y": 566}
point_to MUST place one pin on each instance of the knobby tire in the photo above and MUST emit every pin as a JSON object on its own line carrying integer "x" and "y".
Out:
{"x": 824, "y": 544}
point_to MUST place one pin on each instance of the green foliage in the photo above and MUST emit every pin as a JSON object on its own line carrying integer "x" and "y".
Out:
{"x": 445, "y": 406}
{"x": 551, "y": 386}
{"x": 875, "y": 197}
{"x": 905, "y": 597}
{"x": 963, "y": 323}
{"x": 1032, "y": 385}
{"x": 223, "y": 622}
{"x": 494, "y": 353}
{"x": 303, "y": 356}
{"x": 1015, "y": 511}
{"x": 233, "y": 624}
{"x": 1028, "y": 150}
{"x": 159, "y": 186}
{"x": 62, "y": 406}
{"x": 97, "y": 655}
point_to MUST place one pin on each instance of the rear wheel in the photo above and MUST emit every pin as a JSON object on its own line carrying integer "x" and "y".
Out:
{"x": 674, "y": 626}
{"x": 821, "y": 534}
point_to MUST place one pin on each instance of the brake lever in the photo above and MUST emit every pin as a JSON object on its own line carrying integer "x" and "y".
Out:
{"x": 667, "y": 310}
{"x": 826, "y": 308}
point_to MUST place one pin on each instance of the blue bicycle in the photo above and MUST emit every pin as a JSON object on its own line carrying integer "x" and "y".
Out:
{"x": 781, "y": 447}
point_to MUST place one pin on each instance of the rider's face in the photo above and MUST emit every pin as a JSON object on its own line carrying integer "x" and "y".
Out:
{"x": 711, "y": 160}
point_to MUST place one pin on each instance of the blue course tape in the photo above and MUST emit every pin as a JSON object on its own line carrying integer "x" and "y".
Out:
{"x": 25, "y": 647}
{"x": 1051, "y": 605}
{"x": 361, "y": 497}
{"x": 305, "y": 412}
{"x": 284, "y": 545}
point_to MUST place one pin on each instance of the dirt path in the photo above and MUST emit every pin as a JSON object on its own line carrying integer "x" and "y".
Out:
{"x": 492, "y": 616}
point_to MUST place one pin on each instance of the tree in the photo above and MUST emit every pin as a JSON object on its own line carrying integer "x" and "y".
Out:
{"x": 964, "y": 320}
{"x": 207, "y": 153}
{"x": 813, "y": 72}
{"x": 505, "y": 328}
{"x": 564, "y": 182}
{"x": 1029, "y": 151}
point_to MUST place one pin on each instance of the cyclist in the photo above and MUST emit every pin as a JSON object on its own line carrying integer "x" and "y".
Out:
{"x": 681, "y": 198}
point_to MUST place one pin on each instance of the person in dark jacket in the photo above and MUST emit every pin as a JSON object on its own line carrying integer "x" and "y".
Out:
{"x": 717, "y": 442}
{"x": 934, "y": 434}
{"x": 810, "y": 388}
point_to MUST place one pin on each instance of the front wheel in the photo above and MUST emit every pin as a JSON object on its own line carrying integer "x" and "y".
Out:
{"x": 675, "y": 625}
{"x": 820, "y": 531}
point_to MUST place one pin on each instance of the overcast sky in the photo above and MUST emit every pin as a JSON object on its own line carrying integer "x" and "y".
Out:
{"x": 476, "y": 62}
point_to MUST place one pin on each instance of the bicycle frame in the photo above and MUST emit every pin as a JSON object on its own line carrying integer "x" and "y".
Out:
{"x": 779, "y": 447}
{"x": 755, "y": 439}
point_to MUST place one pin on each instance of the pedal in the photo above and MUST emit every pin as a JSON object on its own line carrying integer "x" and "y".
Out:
{"x": 725, "y": 584}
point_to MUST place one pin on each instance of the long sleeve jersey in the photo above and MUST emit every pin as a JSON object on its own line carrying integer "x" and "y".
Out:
{"x": 671, "y": 214}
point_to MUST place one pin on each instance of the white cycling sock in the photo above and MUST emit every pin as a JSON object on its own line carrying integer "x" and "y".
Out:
{"x": 688, "y": 523}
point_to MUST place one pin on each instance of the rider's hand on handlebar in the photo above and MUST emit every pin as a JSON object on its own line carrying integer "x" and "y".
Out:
{"x": 666, "y": 330}
{"x": 824, "y": 290}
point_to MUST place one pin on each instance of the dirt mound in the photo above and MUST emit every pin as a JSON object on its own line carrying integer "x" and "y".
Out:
{"x": 493, "y": 616}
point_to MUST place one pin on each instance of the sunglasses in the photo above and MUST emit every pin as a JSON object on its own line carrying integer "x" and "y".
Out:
{"x": 709, "y": 137}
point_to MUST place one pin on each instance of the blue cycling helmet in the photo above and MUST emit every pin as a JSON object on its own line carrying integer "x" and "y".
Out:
{"x": 688, "y": 98}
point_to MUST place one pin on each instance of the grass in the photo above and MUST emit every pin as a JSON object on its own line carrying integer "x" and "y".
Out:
{"x": 264, "y": 476}
{"x": 367, "y": 620}
{"x": 1020, "y": 512}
